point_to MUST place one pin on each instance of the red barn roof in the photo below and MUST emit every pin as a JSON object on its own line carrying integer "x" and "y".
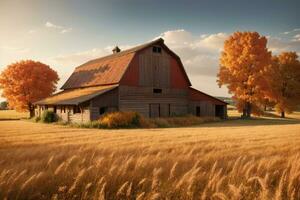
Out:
{"x": 110, "y": 69}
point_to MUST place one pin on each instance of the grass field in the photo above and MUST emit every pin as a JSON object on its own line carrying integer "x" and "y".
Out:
{"x": 235, "y": 159}
{"x": 12, "y": 115}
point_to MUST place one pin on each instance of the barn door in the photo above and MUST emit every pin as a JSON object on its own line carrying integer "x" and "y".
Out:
{"x": 154, "y": 110}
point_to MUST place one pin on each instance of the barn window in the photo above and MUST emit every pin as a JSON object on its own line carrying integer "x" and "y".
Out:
{"x": 157, "y": 90}
{"x": 156, "y": 49}
{"x": 76, "y": 109}
{"x": 102, "y": 110}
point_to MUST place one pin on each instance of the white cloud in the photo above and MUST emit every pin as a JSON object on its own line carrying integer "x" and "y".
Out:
{"x": 67, "y": 30}
{"x": 199, "y": 54}
{"x": 50, "y": 25}
{"x": 62, "y": 29}
{"x": 277, "y": 45}
{"x": 288, "y": 32}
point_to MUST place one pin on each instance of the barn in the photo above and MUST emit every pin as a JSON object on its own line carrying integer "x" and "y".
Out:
{"x": 149, "y": 79}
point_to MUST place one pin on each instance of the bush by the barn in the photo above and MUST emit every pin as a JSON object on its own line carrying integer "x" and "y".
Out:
{"x": 49, "y": 117}
{"x": 121, "y": 120}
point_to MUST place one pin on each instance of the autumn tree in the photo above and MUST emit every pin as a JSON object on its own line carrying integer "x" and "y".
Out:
{"x": 243, "y": 65}
{"x": 25, "y": 82}
{"x": 284, "y": 82}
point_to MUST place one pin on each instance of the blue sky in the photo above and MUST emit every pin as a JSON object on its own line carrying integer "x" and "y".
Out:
{"x": 66, "y": 33}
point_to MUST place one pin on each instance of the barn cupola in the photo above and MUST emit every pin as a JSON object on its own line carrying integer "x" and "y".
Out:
{"x": 116, "y": 50}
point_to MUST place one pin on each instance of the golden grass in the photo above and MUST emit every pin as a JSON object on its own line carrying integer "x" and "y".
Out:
{"x": 12, "y": 114}
{"x": 244, "y": 159}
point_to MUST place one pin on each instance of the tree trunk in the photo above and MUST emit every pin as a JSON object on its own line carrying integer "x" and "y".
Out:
{"x": 265, "y": 108}
{"x": 244, "y": 113}
{"x": 282, "y": 114}
{"x": 249, "y": 110}
{"x": 31, "y": 110}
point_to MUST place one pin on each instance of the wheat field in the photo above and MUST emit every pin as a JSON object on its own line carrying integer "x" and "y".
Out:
{"x": 224, "y": 160}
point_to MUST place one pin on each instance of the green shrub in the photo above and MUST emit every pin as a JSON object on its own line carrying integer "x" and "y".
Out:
{"x": 49, "y": 117}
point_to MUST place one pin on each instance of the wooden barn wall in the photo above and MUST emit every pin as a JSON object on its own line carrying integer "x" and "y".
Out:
{"x": 154, "y": 69}
{"x": 206, "y": 108}
{"x": 178, "y": 79}
{"x": 108, "y": 100}
{"x": 67, "y": 114}
{"x": 173, "y": 101}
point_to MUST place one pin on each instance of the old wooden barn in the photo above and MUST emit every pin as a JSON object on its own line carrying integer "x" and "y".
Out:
{"x": 149, "y": 79}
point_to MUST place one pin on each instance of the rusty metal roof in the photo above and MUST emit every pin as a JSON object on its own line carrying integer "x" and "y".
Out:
{"x": 105, "y": 70}
{"x": 75, "y": 96}
{"x": 109, "y": 69}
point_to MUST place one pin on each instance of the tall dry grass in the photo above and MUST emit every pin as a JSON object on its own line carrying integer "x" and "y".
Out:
{"x": 39, "y": 161}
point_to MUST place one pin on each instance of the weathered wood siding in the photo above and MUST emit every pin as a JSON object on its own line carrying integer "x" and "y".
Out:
{"x": 206, "y": 108}
{"x": 139, "y": 99}
{"x": 109, "y": 100}
{"x": 67, "y": 114}
{"x": 154, "y": 69}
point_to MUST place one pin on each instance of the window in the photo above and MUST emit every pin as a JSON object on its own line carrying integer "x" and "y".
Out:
{"x": 156, "y": 49}
{"x": 76, "y": 109}
{"x": 46, "y": 107}
{"x": 157, "y": 90}
{"x": 102, "y": 110}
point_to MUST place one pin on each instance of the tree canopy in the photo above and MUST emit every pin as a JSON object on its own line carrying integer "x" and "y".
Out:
{"x": 284, "y": 82}
{"x": 25, "y": 82}
{"x": 243, "y": 65}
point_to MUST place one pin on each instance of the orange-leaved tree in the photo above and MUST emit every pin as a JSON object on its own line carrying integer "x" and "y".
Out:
{"x": 25, "y": 82}
{"x": 284, "y": 81}
{"x": 243, "y": 64}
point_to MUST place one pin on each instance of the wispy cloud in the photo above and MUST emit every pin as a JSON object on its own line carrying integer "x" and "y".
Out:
{"x": 67, "y": 30}
{"x": 291, "y": 31}
{"x": 61, "y": 29}
{"x": 50, "y": 25}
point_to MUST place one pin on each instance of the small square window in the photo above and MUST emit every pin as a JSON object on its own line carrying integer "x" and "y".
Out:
{"x": 156, "y": 49}
{"x": 157, "y": 90}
